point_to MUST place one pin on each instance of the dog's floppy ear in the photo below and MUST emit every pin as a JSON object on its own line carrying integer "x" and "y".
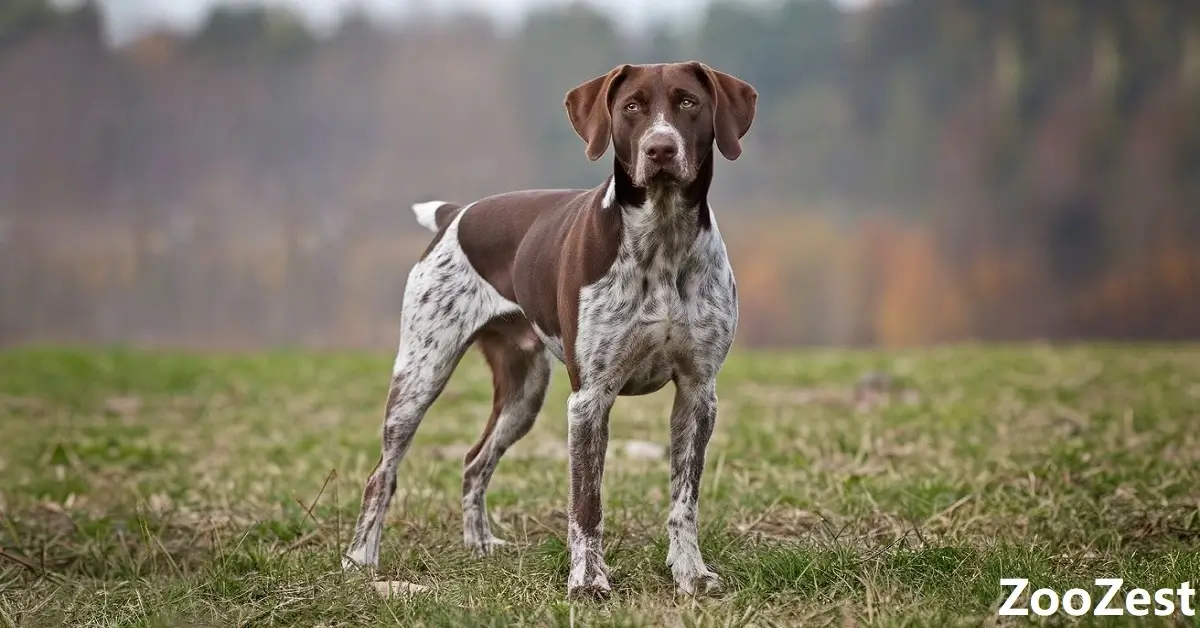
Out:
{"x": 588, "y": 108}
{"x": 734, "y": 104}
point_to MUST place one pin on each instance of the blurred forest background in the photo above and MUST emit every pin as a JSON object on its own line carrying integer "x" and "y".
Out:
{"x": 920, "y": 171}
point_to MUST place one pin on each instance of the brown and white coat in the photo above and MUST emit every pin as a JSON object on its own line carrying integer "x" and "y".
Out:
{"x": 628, "y": 284}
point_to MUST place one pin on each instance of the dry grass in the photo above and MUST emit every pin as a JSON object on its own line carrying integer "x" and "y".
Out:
{"x": 160, "y": 489}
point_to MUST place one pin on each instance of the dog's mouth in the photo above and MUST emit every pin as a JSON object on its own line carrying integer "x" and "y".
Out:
{"x": 661, "y": 176}
{"x": 664, "y": 177}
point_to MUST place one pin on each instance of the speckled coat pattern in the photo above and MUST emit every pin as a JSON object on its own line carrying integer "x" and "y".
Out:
{"x": 628, "y": 284}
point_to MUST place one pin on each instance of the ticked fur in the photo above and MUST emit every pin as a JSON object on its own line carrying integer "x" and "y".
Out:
{"x": 666, "y": 310}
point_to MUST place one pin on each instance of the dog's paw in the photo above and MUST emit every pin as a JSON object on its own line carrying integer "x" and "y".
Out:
{"x": 352, "y": 564}
{"x": 597, "y": 589}
{"x": 484, "y": 547}
{"x": 693, "y": 577}
{"x": 588, "y": 580}
{"x": 699, "y": 583}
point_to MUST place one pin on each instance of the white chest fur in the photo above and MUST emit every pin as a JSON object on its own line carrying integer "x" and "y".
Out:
{"x": 666, "y": 307}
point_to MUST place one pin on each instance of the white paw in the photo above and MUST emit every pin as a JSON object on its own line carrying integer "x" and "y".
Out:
{"x": 484, "y": 547}
{"x": 693, "y": 577}
{"x": 357, "y": 562}
{"x": 699, "y": 583}
{"x": 588, "y": 580}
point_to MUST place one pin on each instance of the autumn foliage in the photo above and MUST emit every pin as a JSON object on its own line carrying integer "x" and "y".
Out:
{"x": 922, "y": 172}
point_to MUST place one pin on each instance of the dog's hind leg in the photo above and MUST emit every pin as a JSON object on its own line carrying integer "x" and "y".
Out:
{"x": 520, "y": 376}
{"x": 445, "y": 303}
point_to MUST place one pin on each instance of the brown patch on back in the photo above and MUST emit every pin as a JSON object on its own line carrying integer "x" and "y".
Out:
{"x": 495, "y": 227}
{"x": 538, "y": 248}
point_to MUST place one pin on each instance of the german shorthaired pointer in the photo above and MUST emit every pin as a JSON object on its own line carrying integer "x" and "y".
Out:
{"x": 628, "y": 284}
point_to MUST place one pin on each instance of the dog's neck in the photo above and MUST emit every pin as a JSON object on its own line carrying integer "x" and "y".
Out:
{"x": 659, "y": 222}
{"x": 690, "y": 199}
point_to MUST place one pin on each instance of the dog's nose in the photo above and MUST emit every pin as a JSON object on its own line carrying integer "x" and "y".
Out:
{"x": 660, "y": 149}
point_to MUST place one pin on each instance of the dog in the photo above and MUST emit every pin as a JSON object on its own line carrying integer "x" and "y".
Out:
{"x": 628, "y": 284}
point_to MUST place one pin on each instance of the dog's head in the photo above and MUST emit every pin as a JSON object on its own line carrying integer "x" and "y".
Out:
{"x": 662, "y": 119}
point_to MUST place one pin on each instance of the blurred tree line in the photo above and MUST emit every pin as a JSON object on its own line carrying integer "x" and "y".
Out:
{"x": 920, "y": 171}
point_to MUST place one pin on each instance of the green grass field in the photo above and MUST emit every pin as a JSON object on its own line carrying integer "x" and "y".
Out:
{"x": 167, "y": 489}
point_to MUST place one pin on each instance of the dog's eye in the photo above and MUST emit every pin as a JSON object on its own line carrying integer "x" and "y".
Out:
{"x": 632, "y": 107}
{"x": 687, "y": 103}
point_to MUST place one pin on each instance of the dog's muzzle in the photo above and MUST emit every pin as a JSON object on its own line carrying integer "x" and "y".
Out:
{"x": 660, "y": 158}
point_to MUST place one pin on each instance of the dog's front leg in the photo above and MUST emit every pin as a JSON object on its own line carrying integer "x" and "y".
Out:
{"x": 587, "y": 440}
{"x": 692, "y": 421}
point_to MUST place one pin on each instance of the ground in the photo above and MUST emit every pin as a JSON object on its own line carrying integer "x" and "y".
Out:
{"x": 171, "y": 489}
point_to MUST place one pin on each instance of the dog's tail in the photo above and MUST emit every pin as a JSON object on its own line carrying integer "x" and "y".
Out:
{"x": 433, "y": 215}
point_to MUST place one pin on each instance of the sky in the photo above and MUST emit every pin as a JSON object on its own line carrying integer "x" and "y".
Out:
{"x": 128, "y": 19}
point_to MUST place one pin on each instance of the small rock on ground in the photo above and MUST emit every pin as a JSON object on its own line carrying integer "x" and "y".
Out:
{"x": 644, "y": 450}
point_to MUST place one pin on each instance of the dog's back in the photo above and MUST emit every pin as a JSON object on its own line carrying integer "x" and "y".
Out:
{"x": 628, "y": 284}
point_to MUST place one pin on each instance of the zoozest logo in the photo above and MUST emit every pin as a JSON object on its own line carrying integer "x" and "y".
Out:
{"x": 1078, "y": 602}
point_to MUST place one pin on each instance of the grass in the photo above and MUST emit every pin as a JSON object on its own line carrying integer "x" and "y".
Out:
{"x": 167, "y": 489}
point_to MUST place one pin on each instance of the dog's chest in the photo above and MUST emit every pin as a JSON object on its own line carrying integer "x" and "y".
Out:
{"x": 665, "y": 305}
